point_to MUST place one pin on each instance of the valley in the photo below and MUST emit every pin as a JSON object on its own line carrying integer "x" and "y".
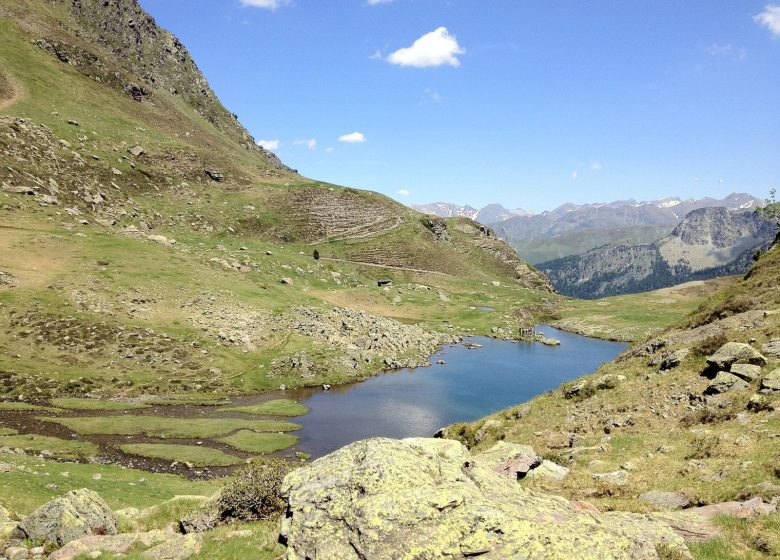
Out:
{"x": 205, "y": 354}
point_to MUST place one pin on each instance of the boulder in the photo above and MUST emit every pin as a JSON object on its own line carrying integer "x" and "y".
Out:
{"x": 136, "y": 151}
{"x": 723, "y": 382}
{"x": 772, "y": 348}
{"x": 617, "y": 478}
{"x": 771, "y": 383}
{"x": 698, "y": 524}
{"x": 550, "y": 470}
{"x": 667, "y": 501}
{"x": 510, "y": 459}
{"x": 734, "y": 353}
{"x": 76, "y": 514}
{"x": 674, "y": 359}
{"x": 748, "y": 372}
{"x": 429, "y": 498}
{"x": 214, "y": 175}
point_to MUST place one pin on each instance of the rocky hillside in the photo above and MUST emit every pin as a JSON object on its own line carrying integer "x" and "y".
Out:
{"x": 686, "y": 419}
{"x": 709, "y": 242}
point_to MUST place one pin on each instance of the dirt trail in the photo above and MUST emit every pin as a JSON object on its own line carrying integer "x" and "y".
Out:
{"x": 17, "y": 92}
{"x": 361, "y": 263}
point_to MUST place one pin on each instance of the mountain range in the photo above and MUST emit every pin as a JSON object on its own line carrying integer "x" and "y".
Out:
{"x": 708, "y": 242}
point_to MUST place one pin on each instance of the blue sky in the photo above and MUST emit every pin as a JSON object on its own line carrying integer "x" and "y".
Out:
{"x": 530, "y": 104}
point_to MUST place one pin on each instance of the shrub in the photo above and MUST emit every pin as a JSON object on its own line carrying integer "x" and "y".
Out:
{"x": 316, "y": 255}
{"x": 706, "y": 415}
{"x": 703, "y": 447}
{"x": 255, "y": 491}
{"x": 711, "y": 344}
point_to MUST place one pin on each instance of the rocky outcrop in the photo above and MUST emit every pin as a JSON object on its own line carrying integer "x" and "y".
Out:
{"x": 423, "y": 498}
{"x": 734, "y": 353}
{"x": 76, "y": 514}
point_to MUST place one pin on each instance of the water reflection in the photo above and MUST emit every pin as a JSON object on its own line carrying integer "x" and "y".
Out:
{"x": 472, "y": 384}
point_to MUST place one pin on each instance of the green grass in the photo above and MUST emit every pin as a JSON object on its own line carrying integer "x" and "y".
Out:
{"x": 740, "y": 539}
{"x": 157, "y": 426}
{"x": 60, "y": 448}
{"x": 26, "y": 407}
{"x": 277, "y": 407}
{"x": 252, "y": 442}
{"x": 27, "y": 485}
{"x": 8, "y": 432}
{"x": 186, "y": 401}
{"x": 94, "y": 404}
{"x": 191, "y": 454}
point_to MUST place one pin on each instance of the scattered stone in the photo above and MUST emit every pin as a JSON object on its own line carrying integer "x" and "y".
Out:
{"x": 772, "y": 348}
{"x": 618, "y": 478}
{"x": 771, "y": 383}
{"x": 73, "y": 122}
{"x": 8, "y": 280}
{"x": 136, "y": 151}
{"x": 162, "y": 240}
{"x": 667, "y": 501}
{"x": 734, "y": 353}
{"x": 723, "y": 382}
{"x": 94, "y": 545}
{"x": 550, "y": 470}
{"x": 609, "y": 381}
{"x": 214, "y": 175}
{"x": 286, "y": 280}
{"x": 74, "y": 515}
{"x": 361, "y": 501}
{"x": 115, "y": 171}
{"x": 748, "y": 372}
{"x": 548, "y": 341}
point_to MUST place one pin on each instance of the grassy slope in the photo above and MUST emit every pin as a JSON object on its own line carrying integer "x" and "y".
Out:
{"x": 711, "y": 453}
{"x": 634, "y": 317}
{"x": 93, "y": 273}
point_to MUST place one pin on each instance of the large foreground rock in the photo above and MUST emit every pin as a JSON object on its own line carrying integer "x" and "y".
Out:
{"x": 76, "y": 514}
{"x": 428, "y": 498}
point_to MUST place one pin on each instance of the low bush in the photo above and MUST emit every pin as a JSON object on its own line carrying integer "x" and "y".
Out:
{"x": 255, "y": 491}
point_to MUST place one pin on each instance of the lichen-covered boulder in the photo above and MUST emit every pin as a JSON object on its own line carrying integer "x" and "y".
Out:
{"x": 76, "y": 514}
{"x": 428, "y": 498}
{"x": 725, "y": 381}
{"x": 667, "y": 501}
{"x": 748, "y": 372}
{"x": 771, "y": 383}
{"x": 735, "y": 353}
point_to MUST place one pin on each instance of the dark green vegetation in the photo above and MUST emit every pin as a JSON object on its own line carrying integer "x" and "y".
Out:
{"x": 277, "y": 407}
{"x": 94, "y": 404}
{"x": 50, "y": 446}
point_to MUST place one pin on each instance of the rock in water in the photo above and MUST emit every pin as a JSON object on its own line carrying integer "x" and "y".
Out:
{"x": 428, "y": 498}
{"x": 76, "y": 514}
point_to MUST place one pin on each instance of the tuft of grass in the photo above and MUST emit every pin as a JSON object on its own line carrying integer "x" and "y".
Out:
{"x": 276, "y": 407}
{"x": 94, "y": 404}
{"x": 191, "y": 454}
{"x": 252, "y": 442}
{"x": 8, "y": 432}
{"x": 56, "y": 447}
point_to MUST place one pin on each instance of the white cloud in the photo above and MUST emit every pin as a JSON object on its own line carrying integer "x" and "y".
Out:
{"x": 329, "y": 149}
{"x": 596, "y": 166}
{"x": 404, "y": 192}
{"x": 352, "y": 138}
{"x": 270, "y": 145}
{"x": 311, "y": 143}
{"x": 376, "y": 56}
{"x": 436, "y": 48}
{"x": 574, "y": 175}
{"x": 728, "y": 50}
{"x": 266, "y": 4}
{"x": 377, "y": 2}
{"x": 770, "y": 18}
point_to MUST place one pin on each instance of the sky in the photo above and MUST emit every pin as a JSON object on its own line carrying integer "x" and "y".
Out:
{"x": 530, "y": 104}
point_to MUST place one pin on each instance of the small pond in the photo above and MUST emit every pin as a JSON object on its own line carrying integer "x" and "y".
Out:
{"x": 470, "y": 385}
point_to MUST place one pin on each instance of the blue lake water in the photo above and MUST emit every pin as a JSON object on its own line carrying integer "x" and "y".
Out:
{"x": 472, "y": 384}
